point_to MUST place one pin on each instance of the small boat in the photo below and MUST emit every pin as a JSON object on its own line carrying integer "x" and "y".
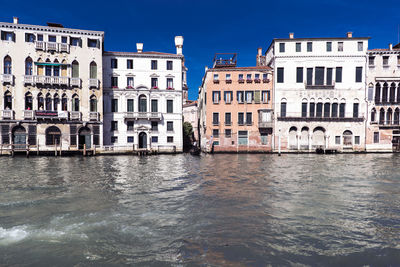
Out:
{"x": 195, "y": 151}
{"x": 320, "y": 150}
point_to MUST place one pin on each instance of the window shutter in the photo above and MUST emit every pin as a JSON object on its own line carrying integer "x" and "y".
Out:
{"x": 13, "y": 36}
{"x": 32, "y": 134}
{"x": 257, "y": 97}
{"x": 2, "y": 35}
{"x": 26, "y": 37}
{"x": 98, "y": 44}
{"x": 219, "y": 96}
{"x": 80, "y": 42}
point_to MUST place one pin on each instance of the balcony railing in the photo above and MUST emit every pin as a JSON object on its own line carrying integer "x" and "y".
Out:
{"x": 388, "y": 122}
{"x": 29, "y": 115}
{"x": 265, "y": 124}
{"x": 265, "y": 119}
{"x": 40, "y": 45}
{"x": 75, "y": 115}
{"x": 7, "y": 114}
{"x": 321, "y": 118}
{"x": 324, "y": 86}
{"x": 94, "y": 116}
{"x": 28, "y": 79}
{"x": 52, "y": 46}
{"x": 64, "y": 47}
{"x": 94, "y": 83}
{"x": 7, "y": 78}
{"x": 76, "y": 82}
{"x": 143, "y": 115}
{"x": 53, "y": 80}
{"x": 49, "y": 114}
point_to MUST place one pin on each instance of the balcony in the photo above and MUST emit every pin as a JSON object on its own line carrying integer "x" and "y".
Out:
{"x": 29, "y": 79}
{"x": 75, "y": 82}
{"x": 29, "y": 115}
{"x": 64, "y": 47}
{"x": 388, "y": 123}
{"x": 75, "y": 116}
{"x": 324, "y": 86}
{"x": 52, "y": 46}
{"x": 143, "y": 115}
{"x": 52, "y": 80}
{"x": 7, "y": 114}
{"x": 49, "y": 114}
{"x": 40, "y": 45}
{"x": 241, "y": 80}
{"x": 7, "y": 78}
{"x": 265, "y": 119}
{"x": 319, "y": 118}
{"x": 94, "y": 83}
{"x": 94, "y": 116}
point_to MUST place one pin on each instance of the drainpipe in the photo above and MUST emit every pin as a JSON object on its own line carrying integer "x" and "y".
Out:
{"x": 279, "y": 142}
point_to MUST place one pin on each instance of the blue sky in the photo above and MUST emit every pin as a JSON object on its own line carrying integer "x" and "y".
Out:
{"x": 213, "y": 26}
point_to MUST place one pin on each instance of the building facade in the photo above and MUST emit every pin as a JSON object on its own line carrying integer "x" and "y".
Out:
{"x": 143, "y": 99}
{"x": 319, "y": 90}
{"x": 190, "y": 114}
{"x": 383, "y": 79}
{"x": 235, "y": 107}
{"x": 51, "y": 84}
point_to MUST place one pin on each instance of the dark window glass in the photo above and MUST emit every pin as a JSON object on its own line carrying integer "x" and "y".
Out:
{"x": 355, "y": 110}
{"x": 154, "y": 126}
{"x": 114, "y": 63}
{"x": 283, "y": 109}
{"x": 319, "y": 110}
{"x": 215, "y": 118}
{"x": 282, "y": 47}
{"x": 154, "y": 139}
{"x": 309, "y": 76}
{"x": 154, "y": 64}
{"x": 249, "y": 118}
{"x": 358, "y": 74}
{"x": 129, "y": 64}
{"x": 170, "y": 139}
{"x": 114, "y": 81}
{"x": 228, "y": 133}
{"x": 376, "y": 137}
{"x": 130, "y": 139}
{"x": 154, "y": 105}
{"x": 338, "y": 74}
{"x": 298, "y": 47}
{"x": 329, "y": 76}
{"x": 169, "y": 65}
{"x": 299, "y": 76}
{"x": 129, "y": 125}
{"x": 170, "y": 126}
{"x": 334, "y": 110}
{"x": 342, "y": 110}
{"x": 309, "y": 47}
{"x": 280, "y": 75}
{"x": 130, "y": 105}
{"x": 312, "y": 109}
{"x": 304, "y": 110}
{"x": 228, "y": 118}
{"x": 114, "y": 105}
{"x": 170, "y": 106}
{"x": 328, "y": 46}
{"x": 327, "y": 110}
{"x": 240, "y": 118}
{"x": 319, "y": 75}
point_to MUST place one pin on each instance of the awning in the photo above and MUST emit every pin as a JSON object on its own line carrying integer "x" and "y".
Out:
{"x": 50, "y": 64}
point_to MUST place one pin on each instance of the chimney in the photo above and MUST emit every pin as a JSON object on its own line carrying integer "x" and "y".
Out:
{"x": 179, "y": 44}
{"x": 390, "y": 47}
{"x": 291, "y": 35}
{"x": 15, "y": 20}
{"x": 206, "y": 69}
{"x": 349, "y": 35}
{"x": 259, "y": 51}
{"x": 139, "y": 47}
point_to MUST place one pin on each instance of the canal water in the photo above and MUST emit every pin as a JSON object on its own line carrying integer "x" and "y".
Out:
{"x": 214, "y": 210}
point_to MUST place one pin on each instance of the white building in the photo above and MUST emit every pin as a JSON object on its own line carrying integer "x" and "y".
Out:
{"x": 319, "y": 90}
{"x": 143, "y": 99}
{"x": 51, "y": 87}
{"x": 383, "y": 78}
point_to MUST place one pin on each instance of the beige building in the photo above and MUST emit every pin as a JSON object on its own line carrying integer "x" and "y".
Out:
{"x": 51, "y": 82}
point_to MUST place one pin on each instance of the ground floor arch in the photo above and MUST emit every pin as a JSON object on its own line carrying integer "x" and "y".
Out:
{"x": 142, "y": 140}
{"x": 19, "y": 136}
{"x": 85, "y": 138}
{"x": 53, "y": 136}
{"x": 318, "y": 137}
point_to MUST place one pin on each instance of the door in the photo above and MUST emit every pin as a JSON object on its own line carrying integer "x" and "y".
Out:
{"x": 142, "y": 140}
{"x": 19, "y": 138}
{"x": 85, "y": 138}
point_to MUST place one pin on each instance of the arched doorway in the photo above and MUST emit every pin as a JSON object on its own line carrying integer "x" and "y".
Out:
{"x": 347, "y": 138}
{"x": 53, "y": 136}
{"x": 19, "y": 137}
{"x": 304, "y": 138}
{"x": 293, "y": 138}
{"x": 142, "y": 140}
{"x": 318, "y": 138}
{"x": 85, "y": 138}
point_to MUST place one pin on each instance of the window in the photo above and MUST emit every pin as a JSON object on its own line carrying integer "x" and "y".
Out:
{"x": 398, "y": 61}
{"x": 170, "y": 106}
{"x": 114, "y": 105}
{"x": 215, "y": 77}
{"x": 7, "y": 36}
{"x": 129, "y": 105}
{"x": 240, "y": 118}
{"x": 170, "y": 139}
{"x": 40, "y": 37}
{"x": 129, "y": 82}
{"x": 92, "y": 103}
{"x": 283, "y": 109}
{"x": 228, "y": 120}
{"x": 312, "y": 109}
{"x": 327, "y": 110}
{"x": 93, "y": 70}
{"x": 228, "y": 97}
{"x": 170, "y": 126}
{"x": 228, "y": 77}
{"x": 329, "y": 72}
{"x": 248, "y": 77}
{"x": 75, "y": 103}
{"x": 169, "y": 65}
{"x": 356, "y": 140}
{"x": 154, "y": 126}
{"x": 154, "y": 83}
{"x": 355, "y": 110}
{"x": 337, "y": 140}
{"x": 28, "y": 66}
{"x": 216, "y": 97}
{"x": 154, "y": 139}
{"x": 309, "y": 46}
{"x": 154, "y": 105}
{"x": 242, "y": 138}
{"x": 75, "y": 69}
{"x": 342, "y": 111}
{"x": 304, "y": 109}
{"x": 74, "y": 41}
{"x": 358, "y": 74}
{"x": 114, "y": 82}
{"x": 130, "y": 139}
{"x": 215, "y": 118}
{"x": 282, "y": 47}
{"x": 310, "y": 76}
{"x": 340, "y": 47}
{"x": 215, "y": 133}
{"x": 129, "y": 125}
{"x": 319, "y": 110}
{"x": 142, "y": 103}
{"x": 114, "y": 63}
{"x": 240, "y": 96}
{"x": 114, "y": 125}
{"x": 338, "y": 74}
{"x": 129, "y": 64}
{"x": 371, "y": 61}
{"x": 249, "y": 118}
{"x": 334, "y": 110}
{"x": 299, "y": 75}
{"x": 385, "y": 61}
{"x": 53, "y": 136}
{"x": 7, "y": 65}
{"x": 249, "y": 96}
{"x": 170, "y": 83}
{"x": 29, "y": 38}
{"x": 319, "y": 75}
{"x": 92, "y": 43}
{"x": 328, "y": 46}
{"x": 265, "y": 96}
{"x": 64, "y": 39}
{"x": 240, "y": 77}
{"x": 154, "y": 64}
{"x": 280, "y": 75}
{"x": 114, "y": 139}
{"x": 376, "y": 137}
{"x": 257, "y": 77}
{"x": 298, "y": 47}
{"x": 228, "y": 133}
{"x": 360, "y": 46}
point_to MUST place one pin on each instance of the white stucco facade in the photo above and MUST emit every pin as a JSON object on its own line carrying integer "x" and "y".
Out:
{"x": 143, "y": 100}
{"x": 319, "y": 93}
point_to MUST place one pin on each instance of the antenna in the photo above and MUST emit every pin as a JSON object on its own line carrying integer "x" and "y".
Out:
{"x": 398, "y": 33}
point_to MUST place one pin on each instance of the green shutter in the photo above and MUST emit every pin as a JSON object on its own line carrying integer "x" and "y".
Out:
{"x": 257, "y": 97}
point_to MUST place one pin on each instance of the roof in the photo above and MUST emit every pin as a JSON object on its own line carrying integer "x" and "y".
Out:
{"x": 321, "y": 38}
{"x": 190, "y": 103}
{"x": 147, "y": 53}
{"x": 394, "y": 50}
{"x": 242, "y": 68}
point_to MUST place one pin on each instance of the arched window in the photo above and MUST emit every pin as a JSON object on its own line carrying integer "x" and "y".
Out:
{"x": 64, "y": 102}
{"x": 28, "y": 101}
{"x": 377, "y": 93}
{"x": 283, "y": 107}
{"x": 40, "y": 101}
{"x": 319, "y": 110}
{"x": 64, "y": 72}
{"x": 396, "y": 116}
{"x": 40, "y": 68}
{"x": 75, "y": 102}
{"x": 318, "y": 137}
{"x": 28, "y": 66}
{"x": 293, "y": 137}
{"x": 381, "y": 116}
{"x": 334, "y": 113}
{"x": 53, "y": 136}
{"x": 56, "y": 102}
{"x": 385, "y": 93}
{"x": 398, "y": 93}
{"x": 142, "y": 103}
{"x": 75, "y": 69}
{"x": 392, "y": 98}
{"x": 48, "y": 101}
{"x": 373, "y": 114}
{"x": 48, "y": 68}
{"x": 389, "y": 114}
{"x": 327, "y": 110}
{"x": 93, "y": 70}
{"x": 7, "y": 65}
{"x": 7, "y": 100}
{"x": 93, "y": 103}
{"x": 304, "y": 138}
{"x": 56, "y": 68}
{"x": 347, "y": 138}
